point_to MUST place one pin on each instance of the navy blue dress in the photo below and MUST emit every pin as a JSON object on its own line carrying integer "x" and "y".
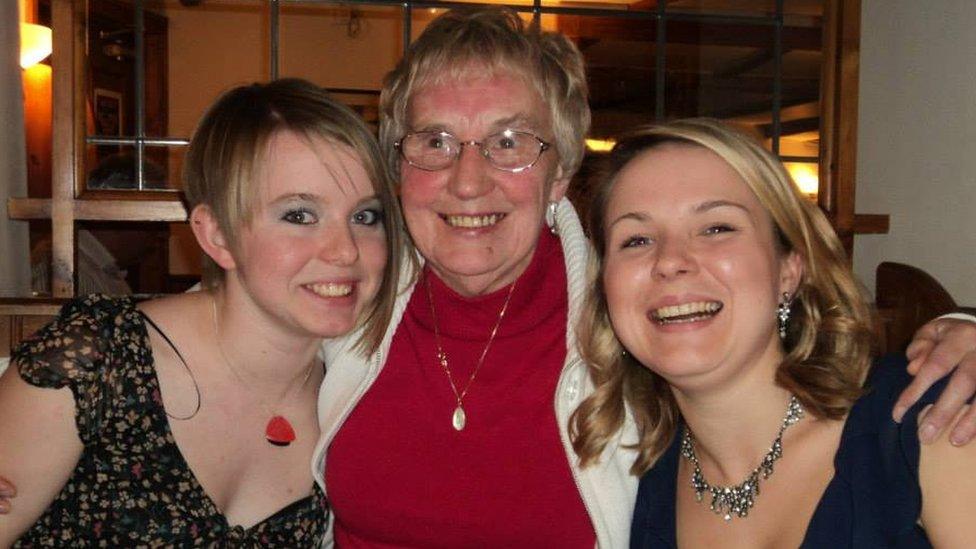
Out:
{"x": 874, "y": 499}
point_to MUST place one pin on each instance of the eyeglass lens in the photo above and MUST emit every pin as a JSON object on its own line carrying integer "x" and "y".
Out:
{"x": 507, "y": 150}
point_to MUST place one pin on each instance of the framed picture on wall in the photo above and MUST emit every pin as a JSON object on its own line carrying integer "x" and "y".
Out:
{"x": 107, "y": 120}
{"x": 108, "y": 112}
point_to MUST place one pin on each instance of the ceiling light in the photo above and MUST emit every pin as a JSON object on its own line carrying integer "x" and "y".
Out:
{"x": 805, "y": 176}
{"x": 600, "y": 145}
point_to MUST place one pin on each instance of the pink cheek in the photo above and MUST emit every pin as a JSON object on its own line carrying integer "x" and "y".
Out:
{"x": 280, "y": 253}
{"x": 733, "y": 265}
{"x": 420, "y": 187}
{"x": 618, "y": 286}
{"x": 375, "y": 257}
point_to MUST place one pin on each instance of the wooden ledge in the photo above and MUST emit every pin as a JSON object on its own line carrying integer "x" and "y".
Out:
{"x": 101, "y": 210}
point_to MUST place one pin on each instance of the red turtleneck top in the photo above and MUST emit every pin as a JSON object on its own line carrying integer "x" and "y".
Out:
{"x": 399, "y": 475}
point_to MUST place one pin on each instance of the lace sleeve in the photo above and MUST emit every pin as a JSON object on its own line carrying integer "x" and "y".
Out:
{"x": 72, "y": 351}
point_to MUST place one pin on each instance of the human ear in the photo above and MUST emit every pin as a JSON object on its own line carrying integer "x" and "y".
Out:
{"x": 790, "y": 273}
{"x": 558, "y": 185}
{"x": 211, "y": 239}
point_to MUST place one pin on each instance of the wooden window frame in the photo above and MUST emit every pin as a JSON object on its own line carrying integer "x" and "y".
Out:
{"x": 70, "y": 203}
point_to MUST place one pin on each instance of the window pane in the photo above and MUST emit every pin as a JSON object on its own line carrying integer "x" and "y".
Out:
{"x": 620, "y": 61}
{"x": 348, "y": 46}
{"x": 111, "y": 63}
{"x": 114, "y": 168}
{"x": 192, "y": 53}
{"x": 212, "y": 46}
{"x": 718, "y": 70}
{"x": 751, "y": 8}
{"x": 421, "y": 17}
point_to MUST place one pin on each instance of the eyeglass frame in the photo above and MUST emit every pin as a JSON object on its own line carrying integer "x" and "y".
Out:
{"x": 485, "y": 153}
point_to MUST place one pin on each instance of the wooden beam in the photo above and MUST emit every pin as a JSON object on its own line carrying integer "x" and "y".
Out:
{"x": 21, "y": 317}
{"x": 839, "y": 89}
{"x": 694, "y": 32}
{"x": 67, "y": 17}
{"x": 29, "y": 208}
{"x": 100, "y": 210}
{"x": 31, "y": 306}
{"x": 871, "y": 224}
{"x": 747, "y": 63}
{"x": 793, "y": 127}
{"x": 129, "y": 210}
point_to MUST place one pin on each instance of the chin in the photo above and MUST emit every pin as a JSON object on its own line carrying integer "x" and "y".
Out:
{"x": 332, "y": 329}
{"x": 678, "y": 364}
{"x": 464, "y": 263}
{"x": 327, "y": 324}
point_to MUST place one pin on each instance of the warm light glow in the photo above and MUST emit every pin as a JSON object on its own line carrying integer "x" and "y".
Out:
{"x": 806, "y": 177}
{"x": 35, "y": 44}
{"x": 600, "y": 145}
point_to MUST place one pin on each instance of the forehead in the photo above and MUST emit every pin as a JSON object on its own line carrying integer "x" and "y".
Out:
{"x": 299, "y": 164}
{"x": 472, "y": 99}
{"x": 671, "y": 176}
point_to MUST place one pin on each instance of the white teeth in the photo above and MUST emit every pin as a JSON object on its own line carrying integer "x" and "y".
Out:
{"x": 473, "y": 221}
{"x": 686, "y": 312}
{"x": 331, "y": 289}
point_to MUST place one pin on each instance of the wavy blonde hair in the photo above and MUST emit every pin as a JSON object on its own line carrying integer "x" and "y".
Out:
{"x": 829, "y": 340}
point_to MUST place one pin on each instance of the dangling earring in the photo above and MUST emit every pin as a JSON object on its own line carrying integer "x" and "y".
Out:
{"x": 551, "y": 217}
{"x": 783, "y": 312}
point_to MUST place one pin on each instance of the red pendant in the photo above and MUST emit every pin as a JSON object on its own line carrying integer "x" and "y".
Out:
{"x": 279, "y": 432}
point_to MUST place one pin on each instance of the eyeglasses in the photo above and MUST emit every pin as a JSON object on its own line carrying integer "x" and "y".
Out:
{"x": 509, "y": 150}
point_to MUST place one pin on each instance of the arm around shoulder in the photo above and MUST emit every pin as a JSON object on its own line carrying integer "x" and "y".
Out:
{"x": 40, "y": 448}
{"x": 947, "y": 475}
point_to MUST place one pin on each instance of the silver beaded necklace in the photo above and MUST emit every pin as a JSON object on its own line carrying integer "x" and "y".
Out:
{"x": 730, "y": 501}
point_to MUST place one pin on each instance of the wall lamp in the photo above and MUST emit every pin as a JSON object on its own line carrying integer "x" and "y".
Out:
{"x": 35, "y": 44}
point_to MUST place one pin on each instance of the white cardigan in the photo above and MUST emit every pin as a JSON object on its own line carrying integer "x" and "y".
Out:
{"x": 607, "y": 488}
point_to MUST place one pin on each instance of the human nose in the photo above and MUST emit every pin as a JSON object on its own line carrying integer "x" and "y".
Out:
{"x": 471, "y": 177}
{"x": 339, "y": 246}
{"x": 673, "y": 258}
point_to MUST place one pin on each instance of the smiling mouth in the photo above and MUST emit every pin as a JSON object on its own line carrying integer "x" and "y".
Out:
{"x": 473, "y": 221}
{"x": 686, "y": 312}
{"x": 330, "y": 289}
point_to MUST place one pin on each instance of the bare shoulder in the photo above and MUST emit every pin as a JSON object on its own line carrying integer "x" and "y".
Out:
{"x": 946, "y": 475}
{"x": 40, "y": 444}
{"x": 178, "y": 350}
{"x": 173, "y": 307}
{"x": 179, "y": 317}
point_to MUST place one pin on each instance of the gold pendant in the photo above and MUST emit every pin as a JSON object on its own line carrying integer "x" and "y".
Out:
{"x": 458, "y": 419}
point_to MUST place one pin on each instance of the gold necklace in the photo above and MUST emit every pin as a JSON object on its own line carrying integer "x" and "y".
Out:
{"x": 459, "y": 418}
{"x": 278, "y": 431}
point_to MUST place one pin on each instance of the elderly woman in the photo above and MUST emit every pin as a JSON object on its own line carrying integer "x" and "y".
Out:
{"x": 748, "y": 346}
{"x": 454, "y": 433}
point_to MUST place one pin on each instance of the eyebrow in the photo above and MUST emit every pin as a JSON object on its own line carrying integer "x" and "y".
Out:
{"x": 295, "y": 197}
{"x": 636, "y": 216}
{"x": 712, "y": 204}
{"x": 305, "y": 197}
{"x": 517, "y": 119}
{"x": 700, "y": 208}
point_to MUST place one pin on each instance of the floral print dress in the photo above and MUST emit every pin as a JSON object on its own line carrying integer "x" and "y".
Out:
{"x": 132, "y": 486}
